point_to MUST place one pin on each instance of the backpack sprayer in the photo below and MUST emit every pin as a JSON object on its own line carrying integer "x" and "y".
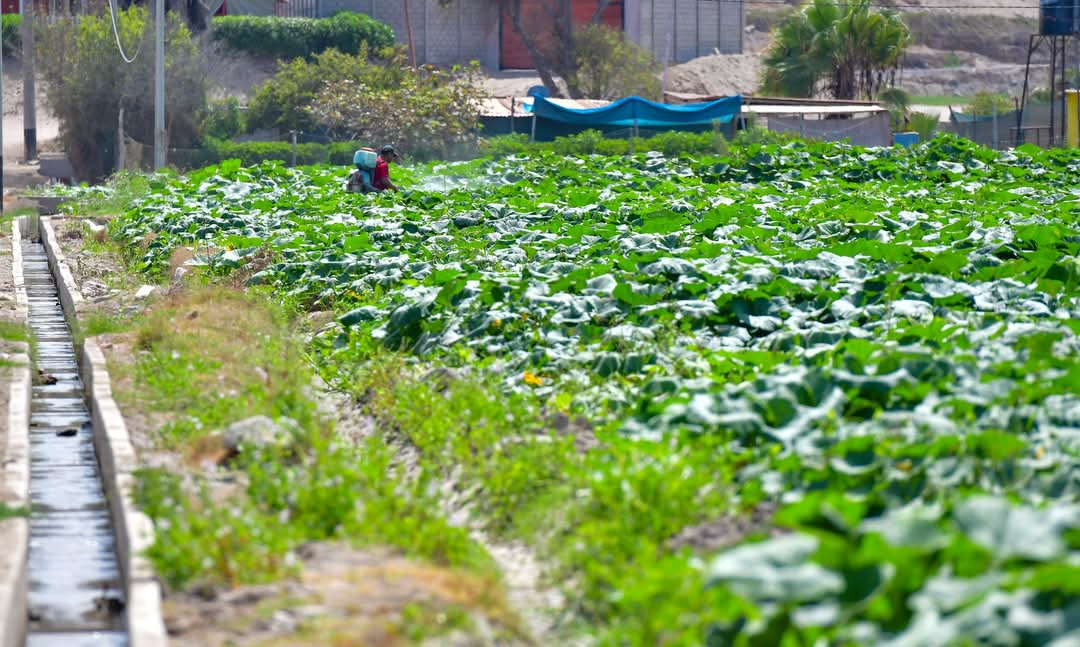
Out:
{"x": 364, "y": 160}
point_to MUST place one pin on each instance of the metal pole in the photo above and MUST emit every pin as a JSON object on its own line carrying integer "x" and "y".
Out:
{"x": 995, "y": 130}
{"x": 29, "y": 91}
{"x": 292, "y": 136}
{"x": 1053, "y": 82}
{"x": 159, "y": 85}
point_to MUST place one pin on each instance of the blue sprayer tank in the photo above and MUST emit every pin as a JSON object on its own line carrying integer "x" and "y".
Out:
{"x": 365, "y": 158}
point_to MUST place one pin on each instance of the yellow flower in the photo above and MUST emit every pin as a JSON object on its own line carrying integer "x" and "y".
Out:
{"x": 532, "y": 380}
{"x": 496, "y": 323}
{"x": 904, "y": 465}
{"x": 1040, "y": 452}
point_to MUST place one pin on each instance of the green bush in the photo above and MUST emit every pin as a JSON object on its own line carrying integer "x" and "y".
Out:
{"x": 610, "y": 66}
{"x": 671, "y": 143}
{"x": 216, "y": 151}
{"x": 923, "y": 124}
{"x": 984, "y": 104}
{"x": 285, "y": 101}
{"x": 86, "y": 84}
{"x": 289, "y": 38}
{"x": 12, "y": 33}
{"x": 223, "y": 119}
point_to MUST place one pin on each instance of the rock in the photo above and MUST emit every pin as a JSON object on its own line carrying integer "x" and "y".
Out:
{"x": 711, "y": 536}
{"x": 441, "y": 377}
{"x": 145, "y": 291}
{"x": 110, "y": 604}
{"x": 46, "y": 378}
{"x": 67, "y": 432}
{"x": 178, "y": 276}
{"x": 94, "y": 289}
{"x": 259, "y": 431}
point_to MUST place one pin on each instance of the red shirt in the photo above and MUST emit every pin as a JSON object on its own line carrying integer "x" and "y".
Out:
{"x": 381, "y": 181}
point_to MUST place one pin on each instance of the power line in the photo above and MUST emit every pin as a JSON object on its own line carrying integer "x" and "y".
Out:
{"x": 116, "y": 33}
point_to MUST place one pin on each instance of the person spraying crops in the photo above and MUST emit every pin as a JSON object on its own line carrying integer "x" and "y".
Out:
{"x": 372, "y": 172}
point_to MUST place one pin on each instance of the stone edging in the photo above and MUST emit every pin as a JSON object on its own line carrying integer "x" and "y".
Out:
{"x": 117, "y": 460}
{"x": 15, "y": 475}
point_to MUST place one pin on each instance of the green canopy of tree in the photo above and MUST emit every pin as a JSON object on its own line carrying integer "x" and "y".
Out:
{"x": 87, "y": 83}
{"x": 846, "y": 50}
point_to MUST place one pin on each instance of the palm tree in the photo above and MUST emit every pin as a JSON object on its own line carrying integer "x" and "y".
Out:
{"x": 847, "y": 49}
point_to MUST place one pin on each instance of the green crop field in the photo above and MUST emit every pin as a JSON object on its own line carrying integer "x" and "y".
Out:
{"x": 804, "y": 394}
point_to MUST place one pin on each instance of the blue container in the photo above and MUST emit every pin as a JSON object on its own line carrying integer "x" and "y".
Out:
{"x": 906, "y": 140}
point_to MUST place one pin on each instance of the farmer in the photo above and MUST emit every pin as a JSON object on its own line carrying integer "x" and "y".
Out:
{"x": 381, "y": 181}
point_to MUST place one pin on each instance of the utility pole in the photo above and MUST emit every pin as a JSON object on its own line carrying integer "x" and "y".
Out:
{"x": 159, "y": 85}
{"x": 29, "y": 91}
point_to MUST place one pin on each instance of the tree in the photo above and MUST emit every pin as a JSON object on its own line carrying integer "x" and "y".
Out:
{"x": 985, "y": 104}
{"x": 549, "y": 36}
{"x": 847, "y": 50}
{"x": 86, "y": 83}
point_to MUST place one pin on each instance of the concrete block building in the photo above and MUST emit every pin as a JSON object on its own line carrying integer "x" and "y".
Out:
{"x": 673, "y": 30}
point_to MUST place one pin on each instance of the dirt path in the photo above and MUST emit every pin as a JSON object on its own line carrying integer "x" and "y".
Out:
{"x": 17, "y": 173}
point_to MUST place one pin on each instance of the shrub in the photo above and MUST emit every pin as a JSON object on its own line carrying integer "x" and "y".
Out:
{"x": 671, "y": 143}
{"x": 223, "y": 119}
{"x": 86, "y": 83}
{"x": 609, "y": 66}
{"x": 984, "y": 103}
{"x": 12, "y": 34}
{"x": 426, "y": 111}
{"x": 285, "y": 101}
{"x": 923, "y": 124}
{"x": 289, "y": 38}
{"x": 216, "y": 151}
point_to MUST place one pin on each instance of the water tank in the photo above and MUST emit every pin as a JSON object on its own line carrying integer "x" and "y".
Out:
{"x": 1057, "y": 17}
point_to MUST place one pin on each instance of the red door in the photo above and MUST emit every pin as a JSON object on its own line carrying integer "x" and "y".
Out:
{"x": 514, "y": 56}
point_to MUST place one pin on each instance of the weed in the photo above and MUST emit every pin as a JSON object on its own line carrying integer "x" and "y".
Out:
{"x": 10, "y": 512}
{"x": 14, "y": 331}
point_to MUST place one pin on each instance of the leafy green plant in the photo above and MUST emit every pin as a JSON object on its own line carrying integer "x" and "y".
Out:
{"x": 924, "y": 124}
{"x": 800, "y": 393}
{"x": 348, "y": 32}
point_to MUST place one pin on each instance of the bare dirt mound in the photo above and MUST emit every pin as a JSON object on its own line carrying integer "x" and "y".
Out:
{"x": 721, "y": 74}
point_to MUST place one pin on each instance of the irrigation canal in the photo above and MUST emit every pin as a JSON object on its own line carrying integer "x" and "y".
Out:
{"x": 75, "y": 591}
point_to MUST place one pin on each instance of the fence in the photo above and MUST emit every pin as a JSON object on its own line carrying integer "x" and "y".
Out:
{"x": 1001, "y": 130}
{"x": 871, "y": 130}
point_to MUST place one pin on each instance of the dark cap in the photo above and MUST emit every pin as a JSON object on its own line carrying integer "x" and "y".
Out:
{"x": 387, "y": 149}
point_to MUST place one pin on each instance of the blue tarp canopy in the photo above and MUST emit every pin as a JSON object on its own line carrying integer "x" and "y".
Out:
{"x": 641, "y": 112}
